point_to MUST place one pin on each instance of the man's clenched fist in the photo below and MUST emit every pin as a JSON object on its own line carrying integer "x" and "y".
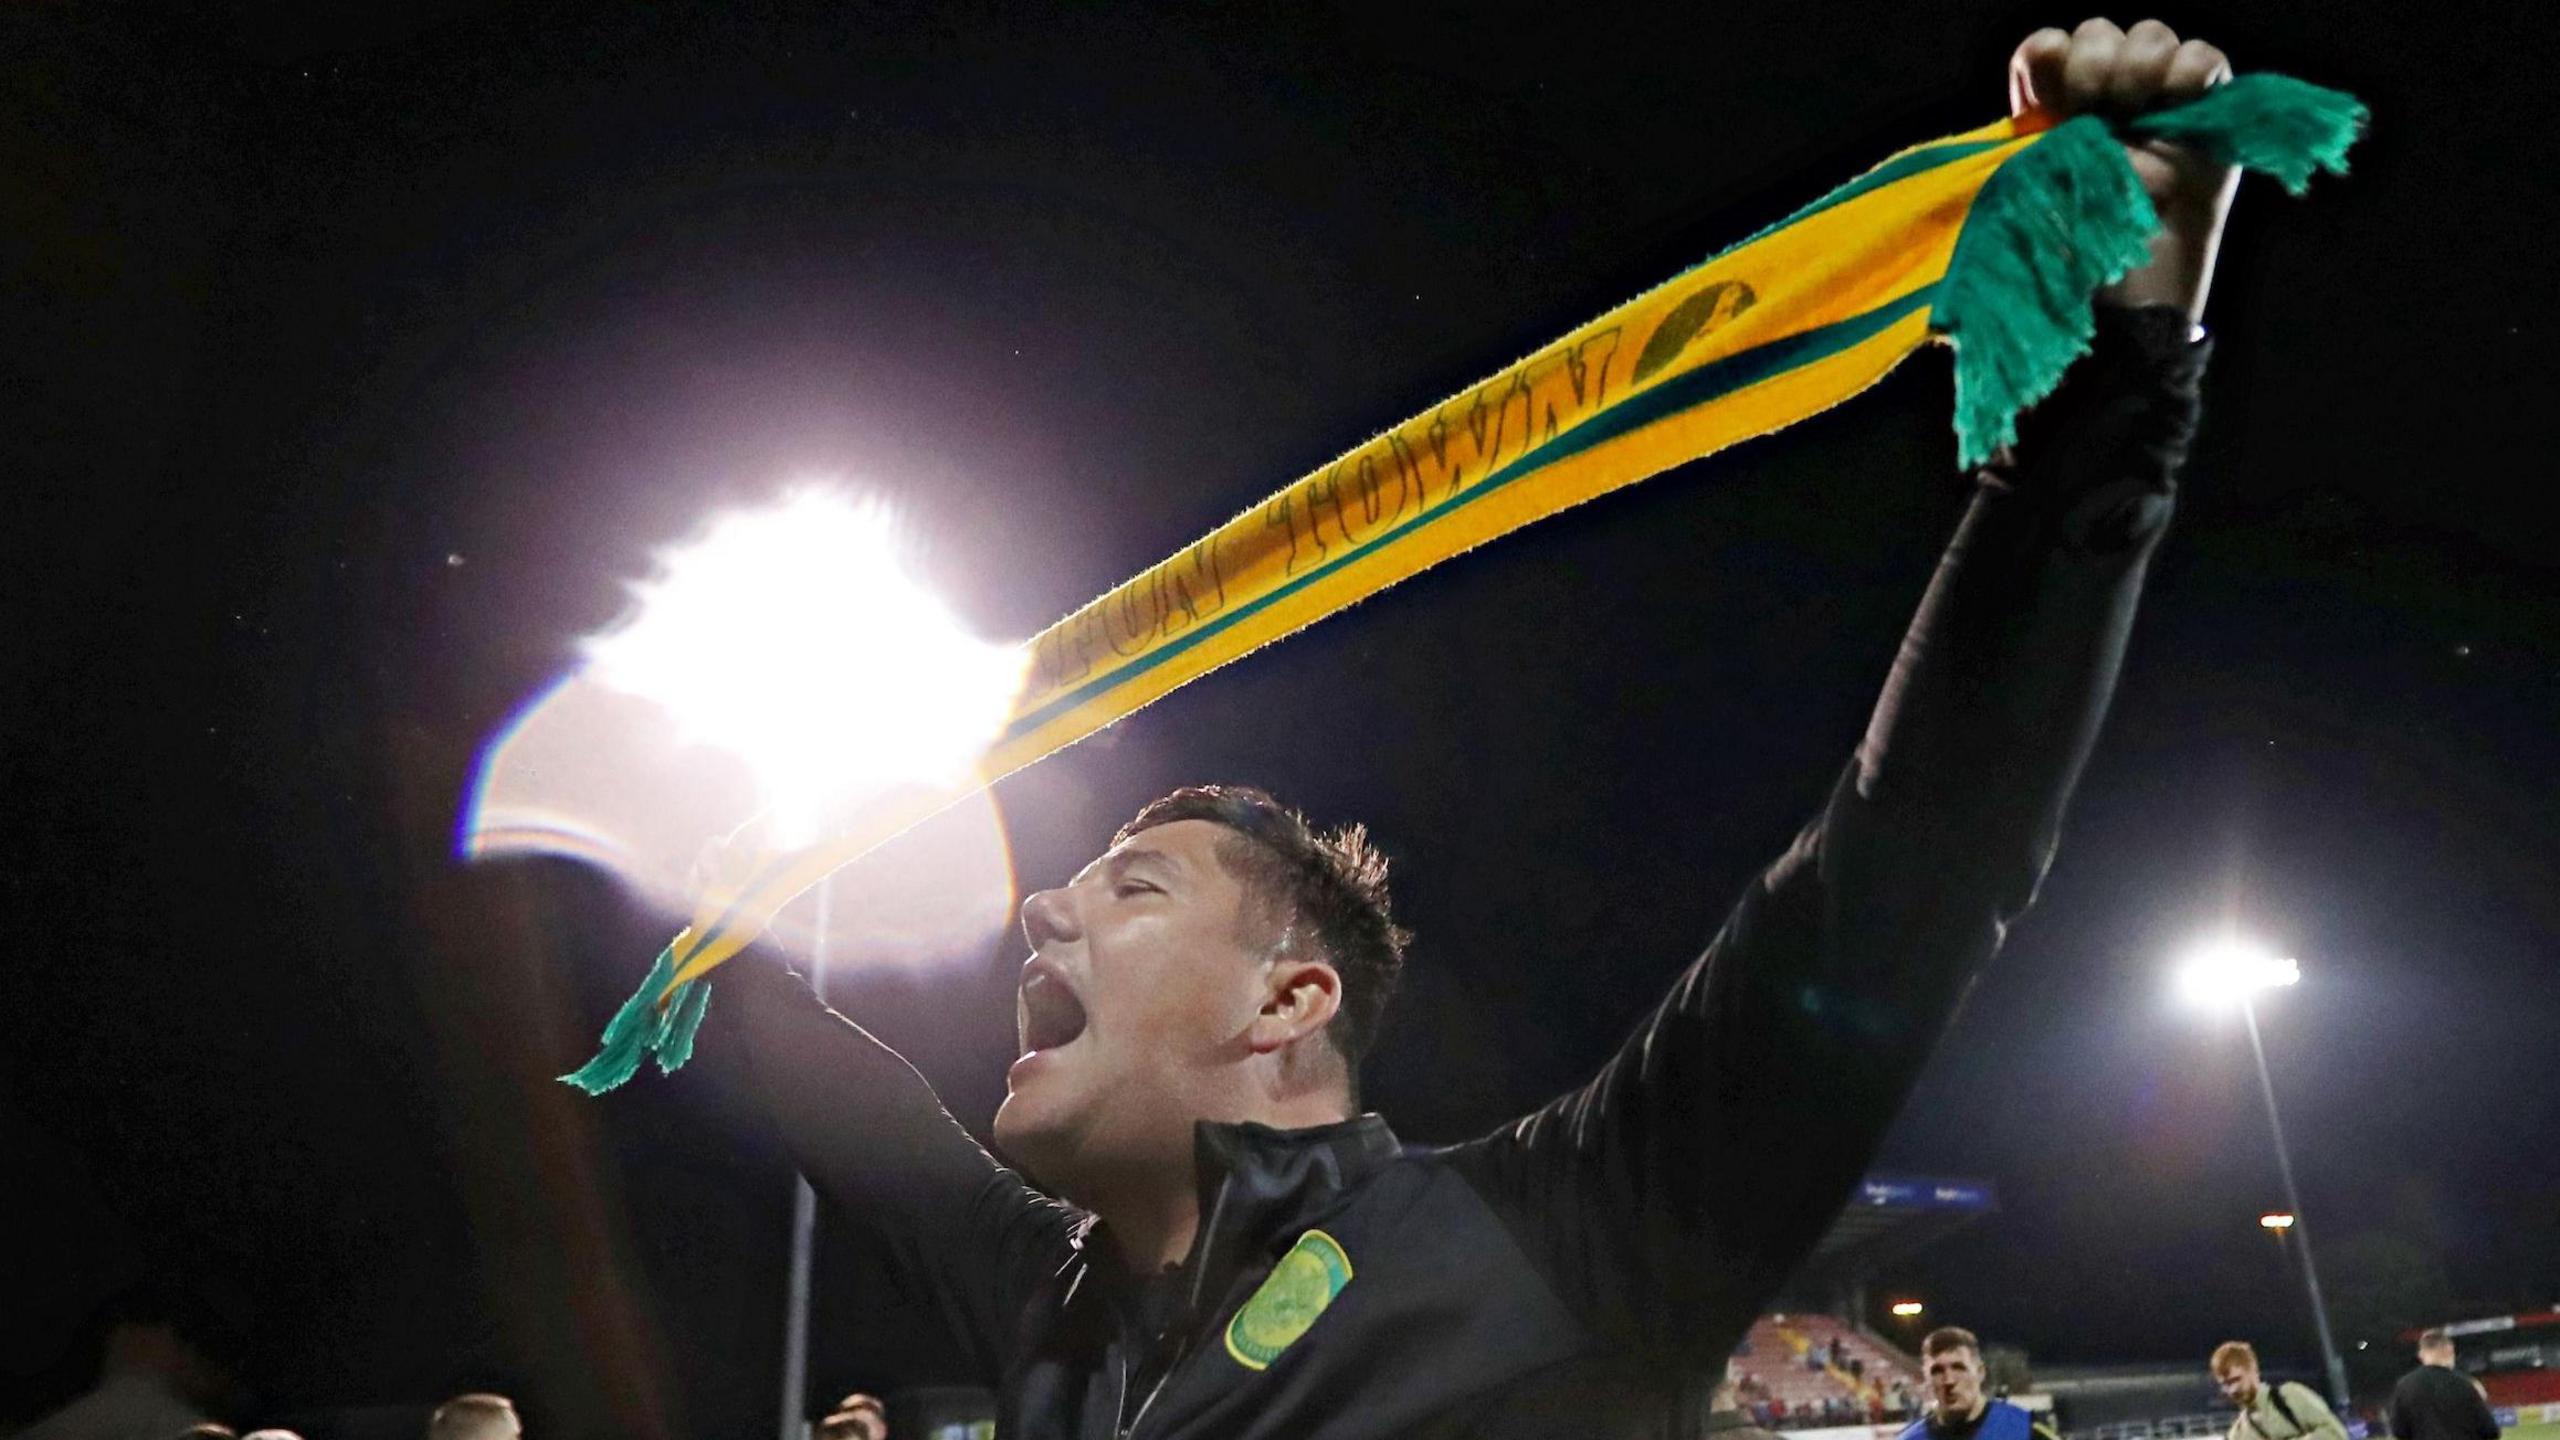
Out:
{"x": 2099, "y": 69}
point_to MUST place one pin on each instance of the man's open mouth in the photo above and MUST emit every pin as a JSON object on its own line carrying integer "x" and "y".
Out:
{"x": 1047, "y": 1012}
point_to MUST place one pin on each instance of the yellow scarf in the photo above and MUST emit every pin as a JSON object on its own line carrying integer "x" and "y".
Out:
{"x": 1992, "y": 240}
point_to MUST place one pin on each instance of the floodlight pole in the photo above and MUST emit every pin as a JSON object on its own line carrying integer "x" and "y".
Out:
{"x": 804, "y": 1231}
{"x": 2301, "y": 1232}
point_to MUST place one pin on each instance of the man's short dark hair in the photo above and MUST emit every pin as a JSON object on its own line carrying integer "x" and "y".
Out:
{"x": 1949, "y": 1337}
{"x": 1331, "y": 886}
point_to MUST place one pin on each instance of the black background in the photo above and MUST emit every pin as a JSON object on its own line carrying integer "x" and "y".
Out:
{"x": 355, "y": 364}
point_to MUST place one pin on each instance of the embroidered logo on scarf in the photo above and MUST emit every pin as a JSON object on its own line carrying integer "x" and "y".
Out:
{"x": 1289, "y": 1300}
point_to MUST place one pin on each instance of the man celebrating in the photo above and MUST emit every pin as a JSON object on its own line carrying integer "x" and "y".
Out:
{"x": 1207, "y": 1237}
{"x": 2436, "y": 1401}
{"x": 1951, "y": 1361}
{"x": 2289, "y": 1411}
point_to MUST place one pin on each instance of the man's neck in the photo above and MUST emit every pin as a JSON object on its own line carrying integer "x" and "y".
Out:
{"x": 1152, "y": 1233}
{"x": 1948, "y": 1420}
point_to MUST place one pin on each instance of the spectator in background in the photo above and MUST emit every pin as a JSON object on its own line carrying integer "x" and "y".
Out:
{"x": 1951, "y": 1362}
{"x": 154, "y": 1378}
{"x": 476, "y": 1417}
{"x": 2288, "y": 1411}
{"x": 1727, "y": 1420}
{"x": 856, "y": 1417}
{"x": 2436, "y": 1401}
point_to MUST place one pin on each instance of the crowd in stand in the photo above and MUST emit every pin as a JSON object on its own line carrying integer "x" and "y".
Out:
{"x": 1809, "y": 1372}
{"x": 1894, "y": 1401}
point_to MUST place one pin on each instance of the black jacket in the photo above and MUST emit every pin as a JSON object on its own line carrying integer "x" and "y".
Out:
{"x": 2435, "y": 1402}
{"x": 1575, "y": 1270}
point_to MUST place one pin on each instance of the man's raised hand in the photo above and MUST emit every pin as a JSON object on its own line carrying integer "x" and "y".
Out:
{"x": 2099, "y": 69}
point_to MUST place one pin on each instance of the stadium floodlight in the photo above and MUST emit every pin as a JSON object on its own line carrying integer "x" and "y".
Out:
{"x": 793, "y": 637}
{"x": 2232, "y": 971}
{"x": 1908, "y": 1309}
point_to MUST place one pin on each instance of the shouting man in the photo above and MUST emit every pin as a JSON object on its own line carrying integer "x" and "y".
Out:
{"x": 1205, "y": 1236}
{"x": 1959, "y": 1409}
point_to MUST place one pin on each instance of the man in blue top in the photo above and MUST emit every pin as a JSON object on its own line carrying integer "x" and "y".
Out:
{"x": 1951, "y": 1360}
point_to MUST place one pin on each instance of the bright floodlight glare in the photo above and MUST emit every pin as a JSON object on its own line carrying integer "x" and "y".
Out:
{"x": 2279, "y": 1220}
{"x": 2227, "y": 972}
{"x": 793, "y": 637}
{"x": 1906, "y": 1308}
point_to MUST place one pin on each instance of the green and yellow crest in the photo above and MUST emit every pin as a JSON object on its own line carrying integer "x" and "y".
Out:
{"x": 1289, "y": 1300}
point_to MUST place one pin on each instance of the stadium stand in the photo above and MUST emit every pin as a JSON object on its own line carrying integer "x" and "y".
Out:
{"x": 2516, "y": 1358}
{"x": 1818, "y": 1367}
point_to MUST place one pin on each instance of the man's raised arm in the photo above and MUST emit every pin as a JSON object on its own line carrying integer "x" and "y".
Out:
{"x": 966, "y": 1238}
{"x": 1672, "y": 1195}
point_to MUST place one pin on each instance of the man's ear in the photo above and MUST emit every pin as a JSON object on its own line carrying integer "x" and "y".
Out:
{"x": 1300, "y": 998}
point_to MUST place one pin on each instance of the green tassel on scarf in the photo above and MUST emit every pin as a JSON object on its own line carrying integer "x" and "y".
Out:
{"x": 643, "y": 1027}
{"x": 2068, "y": 216}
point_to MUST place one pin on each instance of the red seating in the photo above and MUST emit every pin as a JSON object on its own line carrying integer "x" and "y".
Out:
{"x": 1778, "y": 1347}
{"x": 2518, "y": 1387}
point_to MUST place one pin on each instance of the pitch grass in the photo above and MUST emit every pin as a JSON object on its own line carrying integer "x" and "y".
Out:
{"x": 2548, "y": 1430}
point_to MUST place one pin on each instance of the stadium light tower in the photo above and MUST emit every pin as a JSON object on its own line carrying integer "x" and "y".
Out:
{"x": 2229, "y": 972}
{"x": 794, "y": 638}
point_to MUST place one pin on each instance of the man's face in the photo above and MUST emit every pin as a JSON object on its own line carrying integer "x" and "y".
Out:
{"x": 2435, "y": 1355}
{"x": 1955, "y": 1382}
{"x": 1145, "y": 972}
{"x": 2239, "y": 1384}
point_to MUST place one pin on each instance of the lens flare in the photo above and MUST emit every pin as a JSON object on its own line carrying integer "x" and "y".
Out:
{"x": 794, "y": 638}
{"x": 775, "y": 678}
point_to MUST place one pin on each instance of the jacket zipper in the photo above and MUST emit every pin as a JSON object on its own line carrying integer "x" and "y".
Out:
{"x": 1190, "y": 1330}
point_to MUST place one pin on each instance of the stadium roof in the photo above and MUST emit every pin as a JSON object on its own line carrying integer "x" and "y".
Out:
{"x": 1894, "y": 1216}
{"x": 2457, "y": 1329}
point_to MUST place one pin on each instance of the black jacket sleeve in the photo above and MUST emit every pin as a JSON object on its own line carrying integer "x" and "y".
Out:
{"x": 1668, "y": 1198}
{"x": 966, "y": 1239}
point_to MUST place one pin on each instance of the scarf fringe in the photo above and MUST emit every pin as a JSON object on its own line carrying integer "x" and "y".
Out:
{"x": 2273, "y": 124}
{"x": 644, "y": 1027}
{"x": 2068, "y": 216}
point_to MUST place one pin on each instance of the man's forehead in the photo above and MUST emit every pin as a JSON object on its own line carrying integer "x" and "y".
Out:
{"x": 1181, "y": 845}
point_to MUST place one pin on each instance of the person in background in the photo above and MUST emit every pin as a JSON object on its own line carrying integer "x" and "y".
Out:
{"x": 856, "y": 1417}
{"x": 1951, "y": 1361}
{"x": 1727, "y": 1420}
{"x": 476, "y": 1417}
{"x": 2438, "y": 1402}
{"x": 2270, "y": 1412}
{"x": 155, "y": 1378}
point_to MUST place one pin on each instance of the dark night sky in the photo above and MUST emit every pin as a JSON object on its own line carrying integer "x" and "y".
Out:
{"x": 299, "y": 307}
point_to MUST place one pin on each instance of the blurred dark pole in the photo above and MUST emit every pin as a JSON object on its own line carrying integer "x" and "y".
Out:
{"x": 2301, "y": 1221}
{"x": 804, "y": 1229}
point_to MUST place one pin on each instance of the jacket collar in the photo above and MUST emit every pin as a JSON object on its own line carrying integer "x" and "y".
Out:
{"x": 1259, "y": 1188}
